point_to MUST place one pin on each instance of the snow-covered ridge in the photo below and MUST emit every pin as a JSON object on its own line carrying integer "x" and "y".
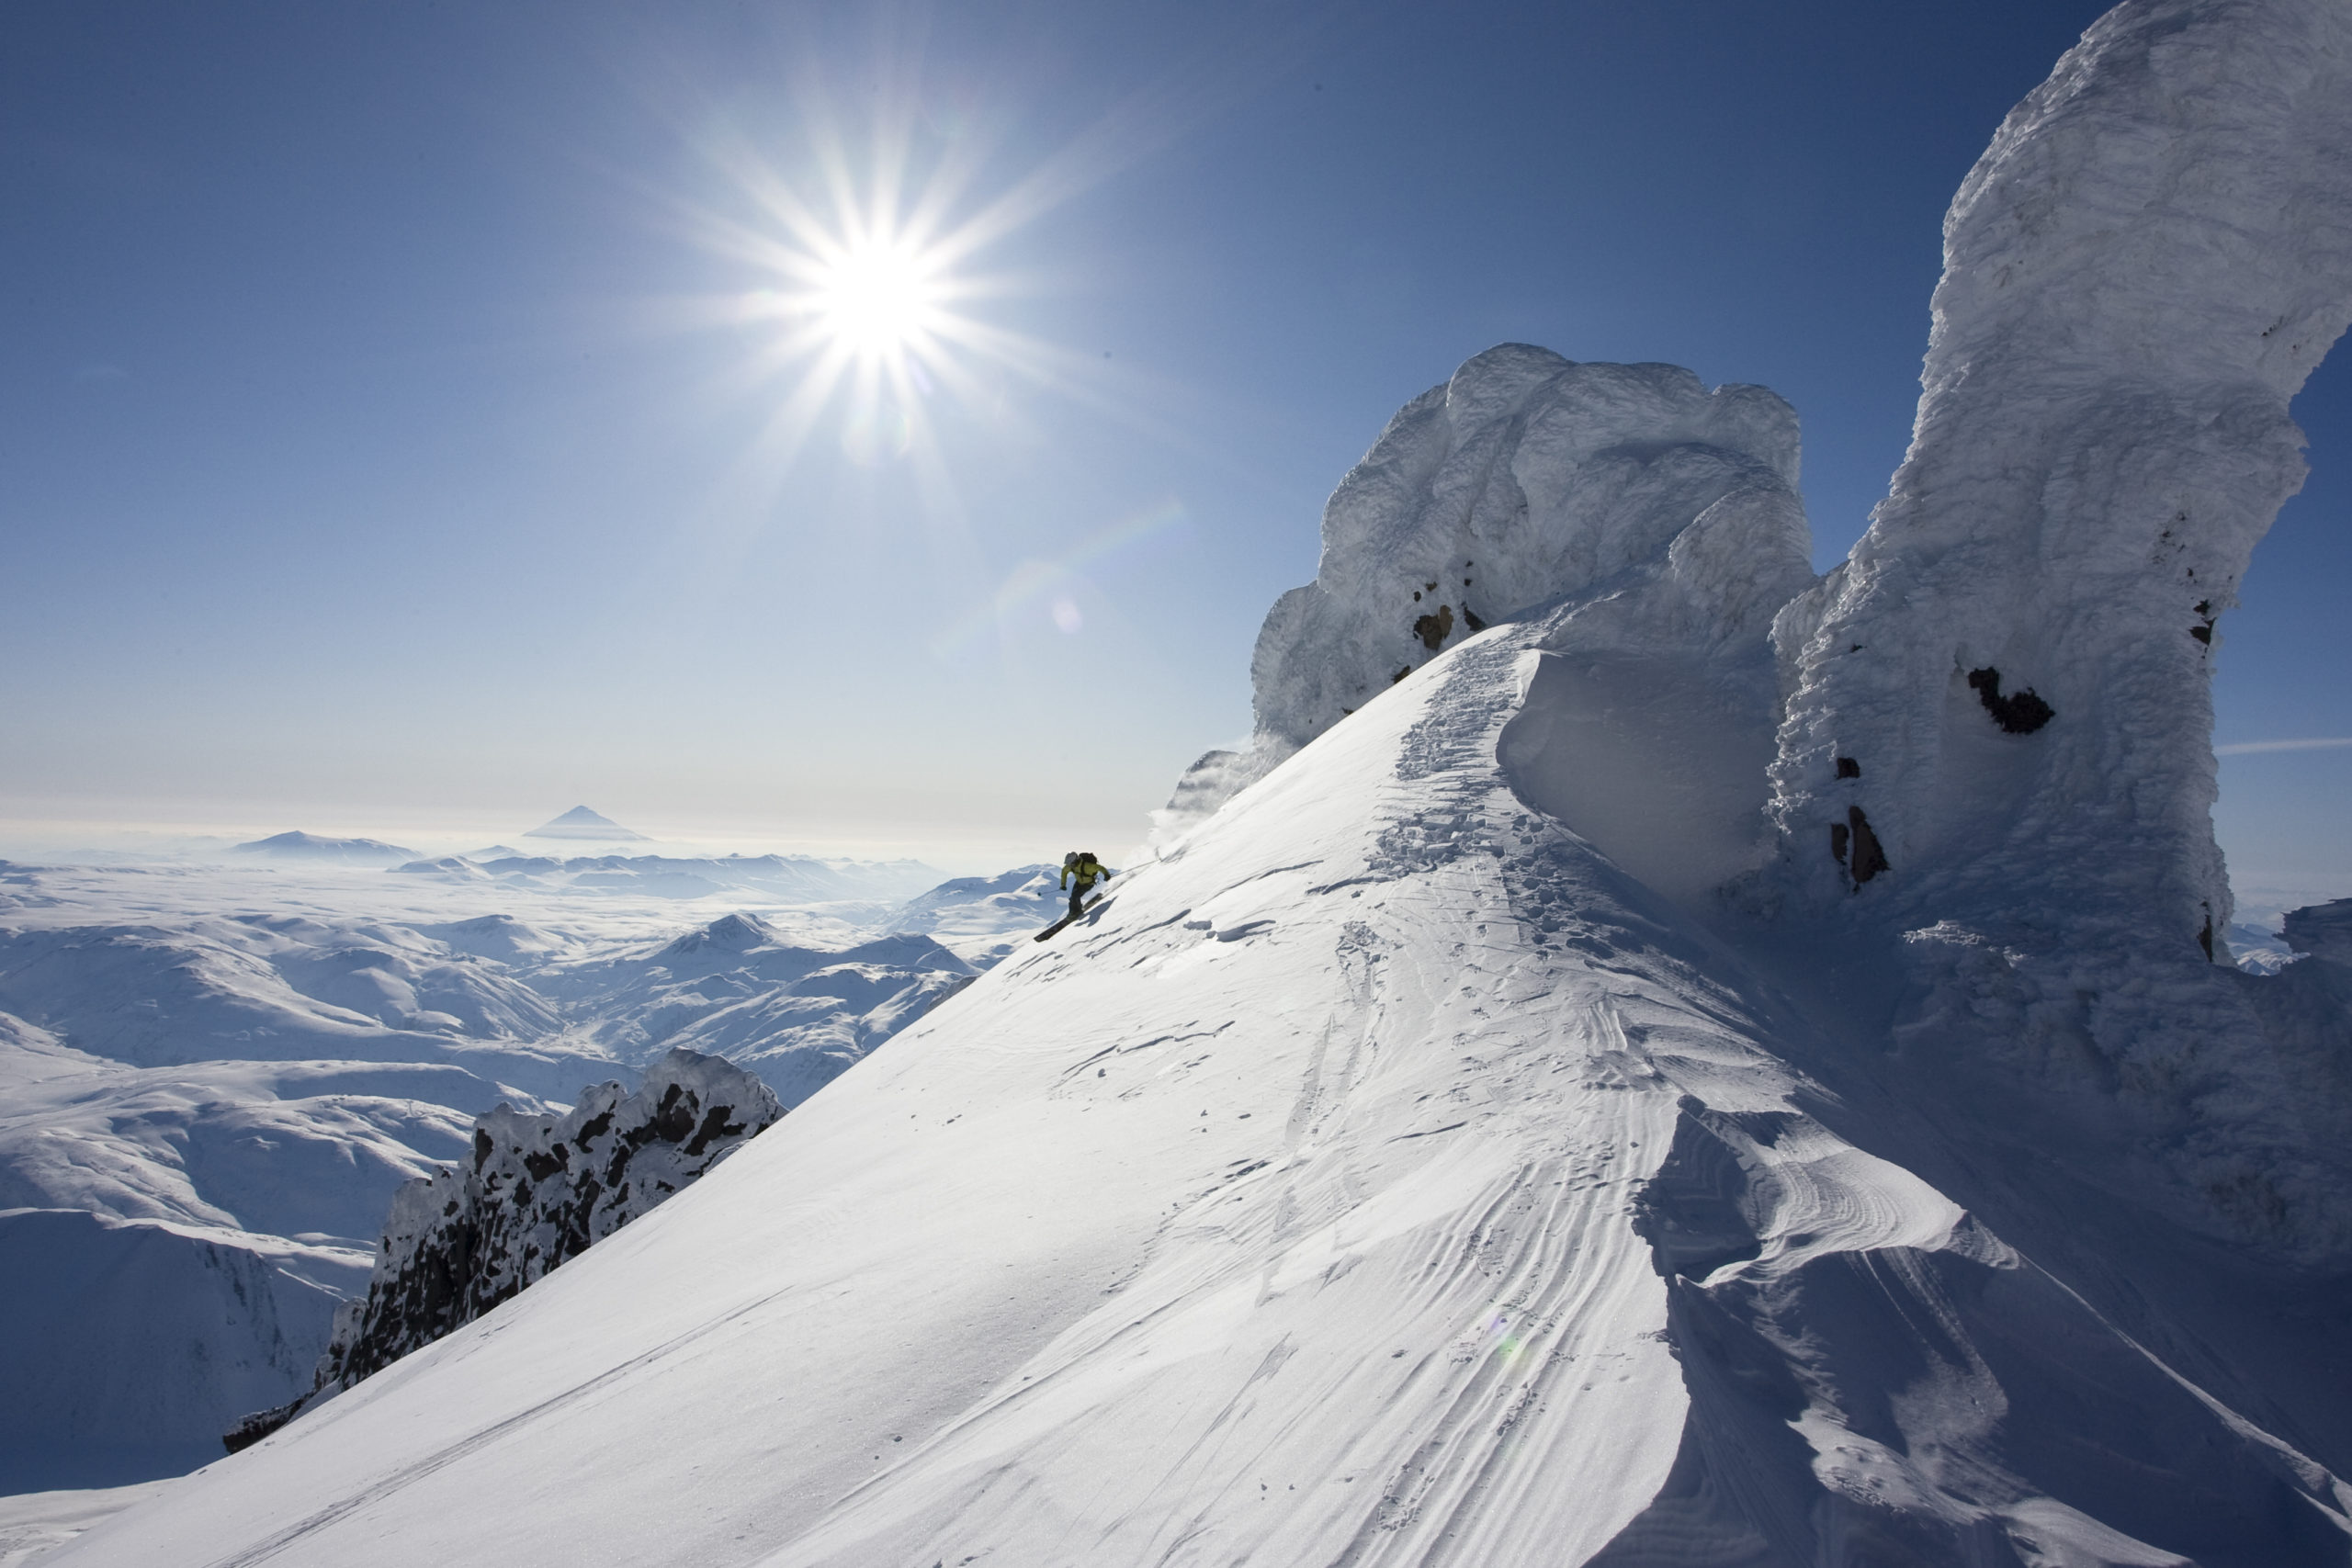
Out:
{"x": 535, "y": 1192}
{"x": 1383, "y": 1174}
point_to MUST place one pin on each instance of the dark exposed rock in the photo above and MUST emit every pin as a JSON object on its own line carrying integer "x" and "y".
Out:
{"x": 1470, "y": 618}
{"x": 1869, "y": 859}
{"x": 459, "y": 1243}
{"x": 2019, "y": 712}
{"x": 1848, "y": 768}
{"x": 1434, "y": 629}
{"x": 1838, "y": 834}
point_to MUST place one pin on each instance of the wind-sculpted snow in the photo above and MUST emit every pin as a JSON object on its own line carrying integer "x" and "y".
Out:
{"x": 1999, "y": 732}
{"x": 1523, "y": 479}
{"x": 531, "y": 1194}
{"x": 1383, "y": 1177}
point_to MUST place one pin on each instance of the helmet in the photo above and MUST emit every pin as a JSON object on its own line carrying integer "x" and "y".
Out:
{"x": 1070, "y": 859}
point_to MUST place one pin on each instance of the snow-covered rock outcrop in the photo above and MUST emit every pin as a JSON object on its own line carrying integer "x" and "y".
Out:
{"x": 537, "y": 1191}
{"x": 2139, "y": 272}
{"x": 1524, "y": 482}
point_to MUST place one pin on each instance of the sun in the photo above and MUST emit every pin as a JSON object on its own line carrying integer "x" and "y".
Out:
{"x": 879, "y": 300}
{"x": 873, "y": 260}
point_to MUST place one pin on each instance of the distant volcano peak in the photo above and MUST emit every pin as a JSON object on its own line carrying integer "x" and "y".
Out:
{"x": 582, "y": 823}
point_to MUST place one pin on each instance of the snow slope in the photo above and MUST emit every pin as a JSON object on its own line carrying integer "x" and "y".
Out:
{"x": 1385, "y": 1178}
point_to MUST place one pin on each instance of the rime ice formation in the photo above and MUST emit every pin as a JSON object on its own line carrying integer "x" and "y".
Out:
{"x": 534, "y": 1192}
{"x": 2007, "y": 687}
{"x": 2138, "y": 275}
{"x": 1524, "y": 482}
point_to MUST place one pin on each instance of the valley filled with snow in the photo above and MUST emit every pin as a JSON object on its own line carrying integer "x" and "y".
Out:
{"x": 214, "y": 1076}
{"x": 1647, "y": 1057}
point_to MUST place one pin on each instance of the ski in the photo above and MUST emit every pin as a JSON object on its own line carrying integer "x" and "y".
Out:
{"x": 1065, "y": 919}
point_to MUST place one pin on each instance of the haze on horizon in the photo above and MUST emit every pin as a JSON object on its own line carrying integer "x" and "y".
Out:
{"x": 876, "y": 426}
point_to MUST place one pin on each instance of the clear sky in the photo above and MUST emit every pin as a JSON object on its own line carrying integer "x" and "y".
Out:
{"x": 409, "y": 412}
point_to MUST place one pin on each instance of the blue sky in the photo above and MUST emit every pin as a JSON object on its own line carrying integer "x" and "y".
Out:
{"x": 390, "y": 433}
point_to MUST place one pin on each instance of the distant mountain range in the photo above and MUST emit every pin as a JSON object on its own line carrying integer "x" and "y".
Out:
{"x": 315, "y": 847}
{"x": 582, "y": 823}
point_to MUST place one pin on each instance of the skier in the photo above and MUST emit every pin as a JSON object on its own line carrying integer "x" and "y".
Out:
{"x": 1082, "y": 865}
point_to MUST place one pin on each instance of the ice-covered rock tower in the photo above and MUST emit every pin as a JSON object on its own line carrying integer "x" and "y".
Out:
{"x": 2001, "y": 700}
{"x": 1654, "y": 525}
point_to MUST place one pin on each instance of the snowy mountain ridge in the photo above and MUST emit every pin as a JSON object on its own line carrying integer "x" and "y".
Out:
{"x": 1512, "y": 1127}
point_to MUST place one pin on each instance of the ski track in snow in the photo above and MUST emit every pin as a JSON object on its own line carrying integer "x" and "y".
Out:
{"x": 1429, "y": 1115}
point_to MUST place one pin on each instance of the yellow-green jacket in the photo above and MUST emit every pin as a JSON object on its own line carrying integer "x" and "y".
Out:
{"x": 1086, "y": 871}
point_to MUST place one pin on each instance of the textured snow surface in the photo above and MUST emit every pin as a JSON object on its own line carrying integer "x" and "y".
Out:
{"x": 35, "y": 1522}
{"x": 1384, "y": 1177}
